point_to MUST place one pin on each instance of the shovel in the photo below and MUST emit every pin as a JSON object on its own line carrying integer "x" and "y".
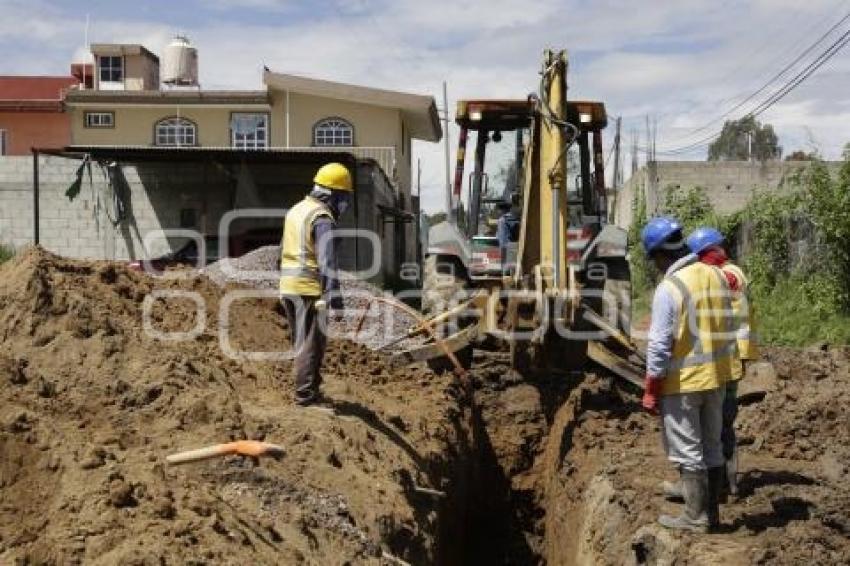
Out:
{"x": 252, "y": 448}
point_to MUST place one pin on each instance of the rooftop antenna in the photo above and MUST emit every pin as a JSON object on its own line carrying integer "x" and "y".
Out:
{"x": 86, "y": 54}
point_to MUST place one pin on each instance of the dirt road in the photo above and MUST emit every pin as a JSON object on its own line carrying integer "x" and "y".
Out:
{"x": 561, "y": 470}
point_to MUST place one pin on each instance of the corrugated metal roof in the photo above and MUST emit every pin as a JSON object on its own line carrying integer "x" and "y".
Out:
{"x": 141, "y": 153}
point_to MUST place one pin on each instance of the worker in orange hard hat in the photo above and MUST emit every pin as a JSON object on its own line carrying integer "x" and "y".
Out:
{"x": 309, "y": 282}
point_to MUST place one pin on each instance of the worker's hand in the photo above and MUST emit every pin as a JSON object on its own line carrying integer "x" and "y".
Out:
{"x": 651, "y": 393}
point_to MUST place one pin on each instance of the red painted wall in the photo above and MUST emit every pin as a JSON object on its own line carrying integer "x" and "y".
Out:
{"x": 25, "y": 130}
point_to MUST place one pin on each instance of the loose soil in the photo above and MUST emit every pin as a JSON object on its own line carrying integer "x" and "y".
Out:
{"x": 556, "y": 470}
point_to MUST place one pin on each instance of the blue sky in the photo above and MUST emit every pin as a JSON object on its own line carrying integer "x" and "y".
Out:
{"x": 682, "y": 62}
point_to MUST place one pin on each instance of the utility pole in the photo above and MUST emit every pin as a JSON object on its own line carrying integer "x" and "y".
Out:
{"x": 750, "y": 147}
{"x": 447, "y": 144}
{"x": 617, "y": 180}
{"x": 635, "y": 136}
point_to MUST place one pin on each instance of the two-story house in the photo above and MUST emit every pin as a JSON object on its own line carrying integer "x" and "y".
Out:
{"x": 246, "y": 148}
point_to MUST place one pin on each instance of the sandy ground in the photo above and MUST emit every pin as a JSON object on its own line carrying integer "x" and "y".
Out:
{"x": 91, "y": 405}
{"x": 557, "y": 470}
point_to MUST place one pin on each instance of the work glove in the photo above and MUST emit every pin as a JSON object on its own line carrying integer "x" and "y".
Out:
{"x": 651, "y": 392}
{"x": 336, "y": 303}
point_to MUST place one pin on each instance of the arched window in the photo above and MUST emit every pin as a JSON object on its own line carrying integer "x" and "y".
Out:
{"x": 333, "y": 131}
{"x": 176, "y": 132}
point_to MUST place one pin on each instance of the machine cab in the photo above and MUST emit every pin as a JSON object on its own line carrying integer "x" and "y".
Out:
{"x": 488, "y": 180}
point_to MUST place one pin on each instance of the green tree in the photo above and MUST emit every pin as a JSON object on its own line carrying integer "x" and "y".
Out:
{"x": 689, "y": 206}
{"x": 741, "y": 137}
{"x": 6, "y": 253}
{"x": 801, "y": 155}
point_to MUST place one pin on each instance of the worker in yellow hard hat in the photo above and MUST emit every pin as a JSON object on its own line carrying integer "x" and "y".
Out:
{"x": 309, "y": 282}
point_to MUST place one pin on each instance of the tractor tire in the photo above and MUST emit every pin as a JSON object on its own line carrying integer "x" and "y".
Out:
{"x": 444, "y": 286}
{"x": 619, "y": 286}
{"x": 615, "y": 302}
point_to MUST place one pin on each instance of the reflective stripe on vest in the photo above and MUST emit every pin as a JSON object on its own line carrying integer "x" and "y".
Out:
{"x": 299, "y": 267}
{"x": 704, "y": 344}
{"x": 743, "y": 308}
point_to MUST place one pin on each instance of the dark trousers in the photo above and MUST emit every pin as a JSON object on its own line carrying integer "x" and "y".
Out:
{"x": 730, "y": 413}
{"x": 309, "y": 340}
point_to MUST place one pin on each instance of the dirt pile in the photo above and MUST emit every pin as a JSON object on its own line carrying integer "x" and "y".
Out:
{"x": 562, "y": 469}
{"x": 91, "y": 402}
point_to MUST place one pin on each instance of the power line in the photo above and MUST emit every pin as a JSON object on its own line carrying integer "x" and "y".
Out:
{"x": 779, "y": 94}
{"x": 773, "y": 79}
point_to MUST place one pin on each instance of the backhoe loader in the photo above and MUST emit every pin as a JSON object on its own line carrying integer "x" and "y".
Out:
{"x": 560, "y": 291}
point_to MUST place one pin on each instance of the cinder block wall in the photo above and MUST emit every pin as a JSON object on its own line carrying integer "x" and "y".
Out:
{"x": 729, "y": 184}
{"x": 84, "y": 227}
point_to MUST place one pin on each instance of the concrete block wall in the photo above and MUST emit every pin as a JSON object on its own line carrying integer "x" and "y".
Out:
{"x": 83, "y": 228}
{"x": 728, "y": 184}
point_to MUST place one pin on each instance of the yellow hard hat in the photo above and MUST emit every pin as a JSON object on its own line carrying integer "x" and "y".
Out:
{"x": 334, "y": 176}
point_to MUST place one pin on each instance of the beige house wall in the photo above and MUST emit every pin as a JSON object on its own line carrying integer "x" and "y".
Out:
{"x": 135, "y": 125}
{"x": 140, "y": 73}
{"x": 374, "y": 126}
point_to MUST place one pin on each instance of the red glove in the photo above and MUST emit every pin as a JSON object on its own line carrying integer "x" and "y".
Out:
{"x": 651, "y": 392}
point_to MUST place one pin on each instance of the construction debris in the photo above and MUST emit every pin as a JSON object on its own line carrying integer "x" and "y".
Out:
{"x": 385, "y": 326}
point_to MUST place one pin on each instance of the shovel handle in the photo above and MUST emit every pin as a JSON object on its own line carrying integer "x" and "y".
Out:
{"x": 252, "y": 448}
{"x": 196, "y": 455}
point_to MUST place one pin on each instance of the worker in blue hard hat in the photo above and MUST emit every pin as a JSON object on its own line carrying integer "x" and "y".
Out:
{"x": 707, "y": 243}
{"x": 688, "y": 361}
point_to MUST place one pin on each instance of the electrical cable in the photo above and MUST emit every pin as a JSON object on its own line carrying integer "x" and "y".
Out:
{"x": 779, "y": 94}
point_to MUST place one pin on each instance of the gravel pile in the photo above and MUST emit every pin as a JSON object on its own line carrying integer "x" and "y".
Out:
{"x": 259, "y": 270}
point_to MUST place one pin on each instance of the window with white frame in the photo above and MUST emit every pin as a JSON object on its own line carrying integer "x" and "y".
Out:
{"x": 100, "y": 119}
{"x": 333, "y": 131}
{"x": 3, "y": 142}
{"x": 249, "y": 130}
{"x": 176, "y": 132}
{"x": 111, "y": 68}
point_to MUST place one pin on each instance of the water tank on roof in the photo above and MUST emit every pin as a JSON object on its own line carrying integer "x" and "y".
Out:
{"x": 180, "y": 63}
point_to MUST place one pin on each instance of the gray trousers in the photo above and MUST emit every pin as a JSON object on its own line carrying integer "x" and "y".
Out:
{"x": 691, "y": 428}
{"x": 730, "y": 413}
{"x": 309, "y": 341}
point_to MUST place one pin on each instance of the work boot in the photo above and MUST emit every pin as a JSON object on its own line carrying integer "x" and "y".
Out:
{"x": 732, "y": 473}
{"x": 715, "y": 484}
{"x": 694, "y": 516}
{"x": 672, "y": 490}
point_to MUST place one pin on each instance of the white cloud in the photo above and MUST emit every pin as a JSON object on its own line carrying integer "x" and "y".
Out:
{"x": 683, "y": 62}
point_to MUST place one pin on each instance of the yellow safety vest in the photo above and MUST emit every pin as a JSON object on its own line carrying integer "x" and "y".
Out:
{"x": 299, "y": 267}
{"x": 704, "y": 342}
{"x": 743, "y": 309}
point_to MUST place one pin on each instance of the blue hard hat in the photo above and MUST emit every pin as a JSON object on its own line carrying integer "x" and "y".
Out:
{"x": 703, "y": 238}
{"x": 657, "y": 230}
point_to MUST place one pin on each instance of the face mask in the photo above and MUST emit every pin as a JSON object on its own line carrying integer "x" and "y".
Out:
{"x": 342, "y": 204}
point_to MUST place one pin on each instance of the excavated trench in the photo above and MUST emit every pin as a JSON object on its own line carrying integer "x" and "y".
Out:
{"x": 524, "y": 493}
